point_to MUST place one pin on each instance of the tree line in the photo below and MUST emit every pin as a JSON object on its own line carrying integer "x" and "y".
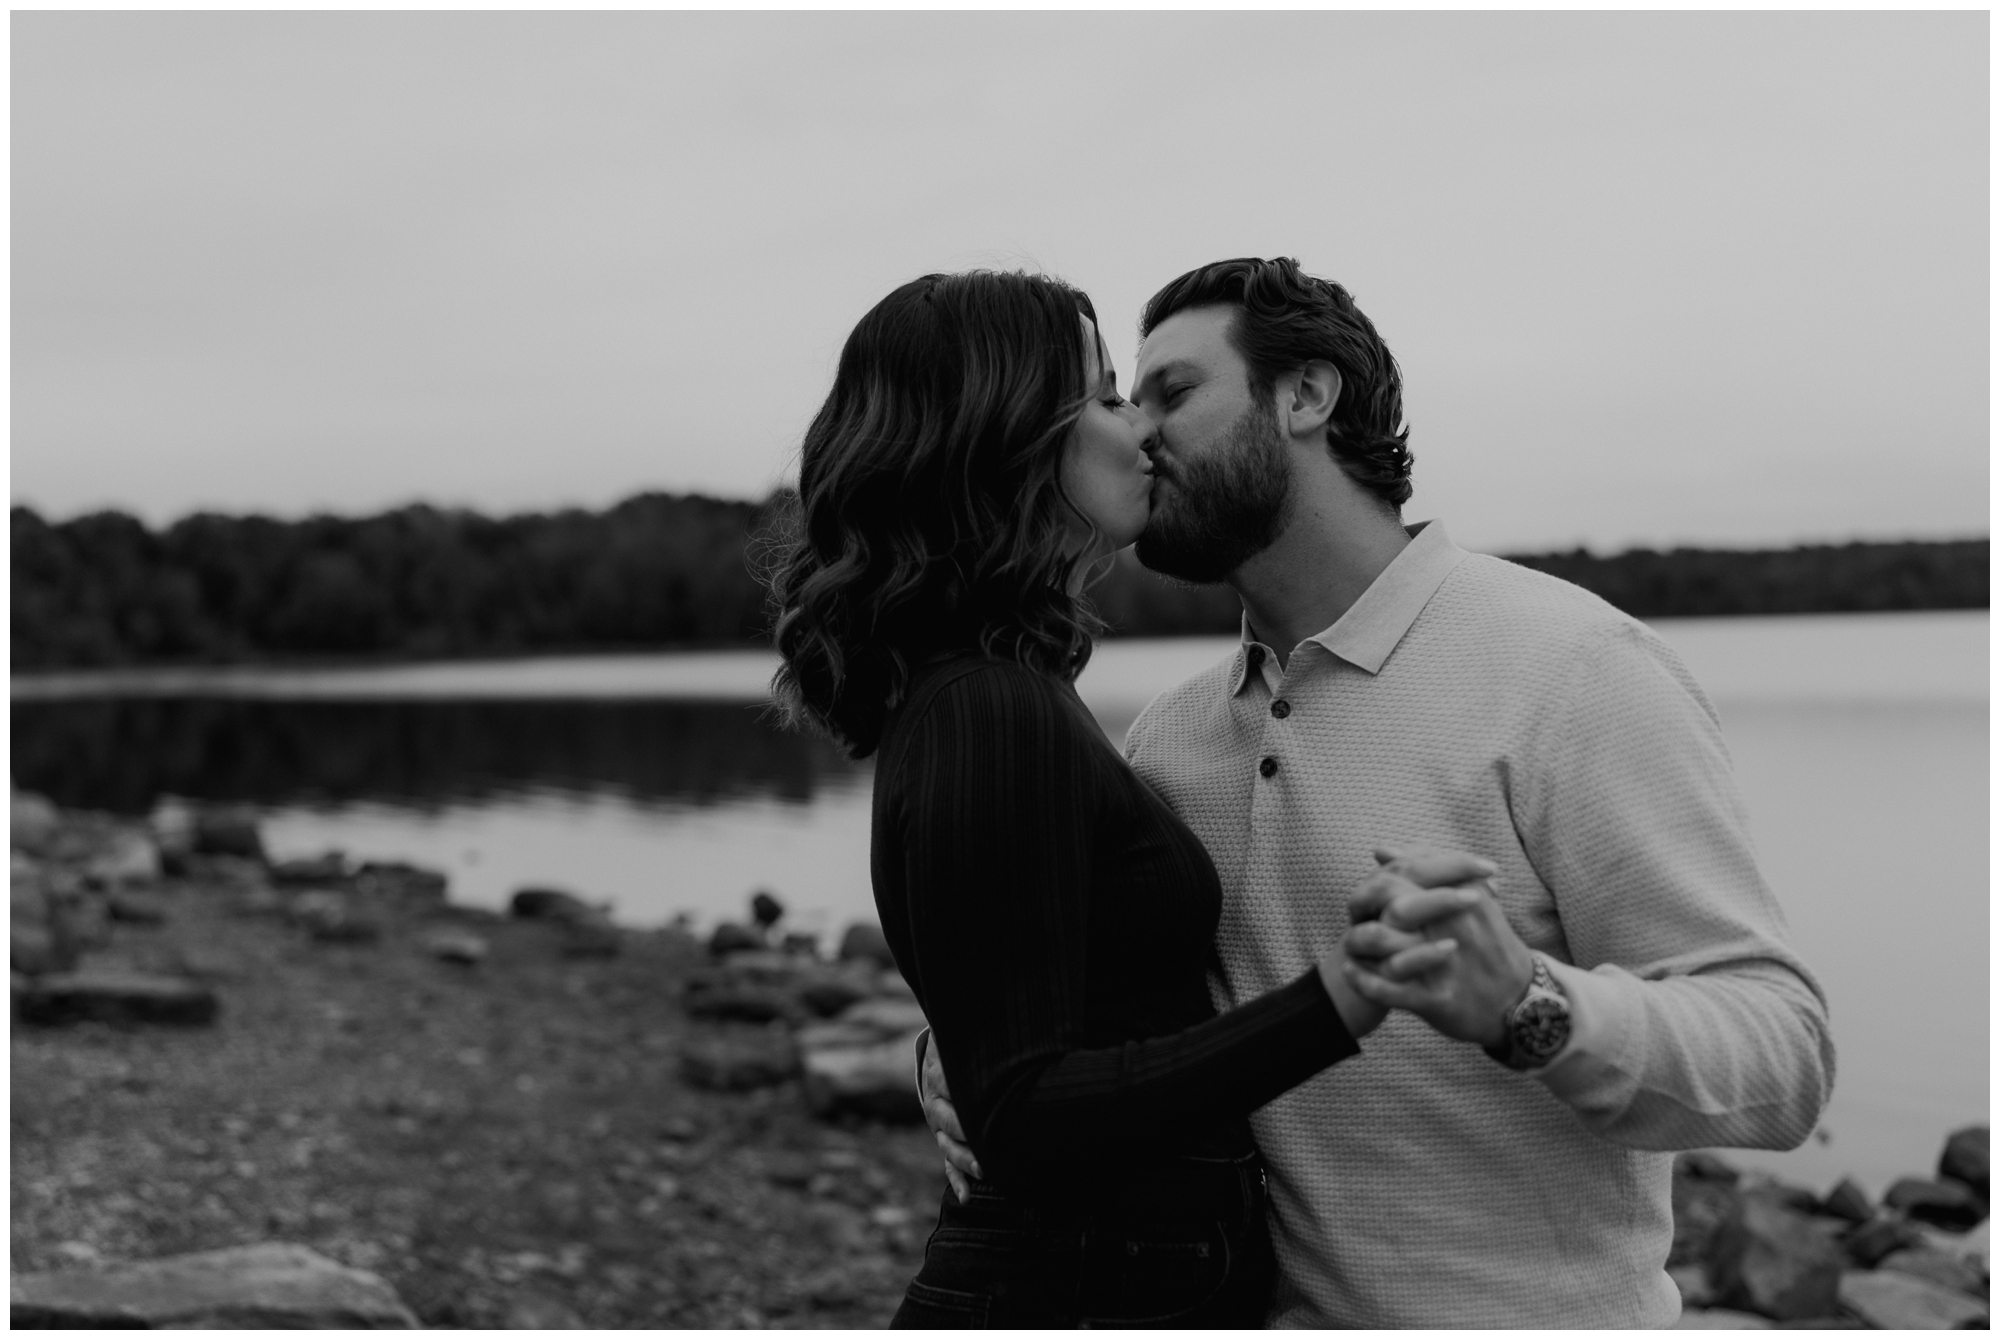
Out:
{"x": 660, "y": 570}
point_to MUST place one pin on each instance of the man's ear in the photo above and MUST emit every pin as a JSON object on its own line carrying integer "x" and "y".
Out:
{"x": 1308, "y": 398}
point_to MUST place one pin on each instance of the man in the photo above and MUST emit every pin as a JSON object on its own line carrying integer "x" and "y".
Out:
{"x": 1499, "y": 1154}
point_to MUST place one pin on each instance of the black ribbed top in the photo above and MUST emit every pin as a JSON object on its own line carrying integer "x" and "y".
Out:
{"x": 1057, "y": 923}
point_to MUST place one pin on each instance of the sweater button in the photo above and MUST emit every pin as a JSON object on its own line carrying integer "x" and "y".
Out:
{"x": 1268, "y": 766}
{"x": 1280, "y": 708}
{"x": 1256, "y": 657}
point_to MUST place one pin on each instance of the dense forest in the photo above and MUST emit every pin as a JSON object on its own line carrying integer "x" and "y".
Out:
{"x": 664, "y": 571}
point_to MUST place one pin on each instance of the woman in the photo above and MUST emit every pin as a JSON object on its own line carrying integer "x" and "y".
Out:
{"x": 972, "y": 464}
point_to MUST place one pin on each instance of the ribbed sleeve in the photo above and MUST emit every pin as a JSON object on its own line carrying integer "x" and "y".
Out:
{"x": 1010, "y": 820}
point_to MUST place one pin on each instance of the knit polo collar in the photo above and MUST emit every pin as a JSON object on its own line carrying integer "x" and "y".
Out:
{"x": 1374, "y": 624}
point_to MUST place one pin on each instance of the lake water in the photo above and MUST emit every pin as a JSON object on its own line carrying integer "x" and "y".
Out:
{"x": 658, "y": 784}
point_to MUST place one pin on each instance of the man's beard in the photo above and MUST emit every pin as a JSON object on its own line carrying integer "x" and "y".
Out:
{"x": 1228, "y": 503}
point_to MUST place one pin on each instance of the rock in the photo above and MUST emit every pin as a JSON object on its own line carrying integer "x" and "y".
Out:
{"x": 33, "y": 823}
{"x": 1889, "y": 1300}
{"x": 271, "y": 1284}
{"x": 135, "y": 908}
{"x": 401, "y": 880}
{"x": 826, "y": 994}
{"x": 874, "y": 1080}
{"x": 1703, "y": 1166}
{"x": 77, "y": 917}
{"x": 742, "y": 1003}
{"x": 452, "y": 945}
{"x": 114, "y": 995}
{"x": 33, "y": 951}
{"x": 1836, "y": 1322}
{"x": 1974, "y": 1246}
{"x": 739, "y": 1061}
{"x": 1964, "y": 1158}
{"x": 1768, "y": 1258}
{"x": 765, "y": 909}
{"x": 1931, "y": 1264}
{"x": 730, "y": 938}
{"x": 1792, "y": 1197}
{"x": 125, "y": 856}
{"x": 887, "y": 1017}
{"x": 228, "y": 832}
{"x": 1848, "y": 1201}
{"x": 1692, "y": 1281}
{"x": 329, "y": 868}
{"x": 1949, "y": 1204}
{"x": 864, "y": 940}
{"x": 1720, "y": 1319}
{"x": 1878, "y": 1237}
{"x": 557, "y": 905}
{"x": 803, "y": 944}
{"x": 332, "y": 917}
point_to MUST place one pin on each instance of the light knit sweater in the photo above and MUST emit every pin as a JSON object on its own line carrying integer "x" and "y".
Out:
{"x": 1465, "y": 702}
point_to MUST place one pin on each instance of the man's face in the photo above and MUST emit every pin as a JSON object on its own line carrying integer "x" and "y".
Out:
{"x": 1222, "y": 470}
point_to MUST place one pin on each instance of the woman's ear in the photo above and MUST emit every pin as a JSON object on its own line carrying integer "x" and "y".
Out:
{"x": 1312, "y": 392}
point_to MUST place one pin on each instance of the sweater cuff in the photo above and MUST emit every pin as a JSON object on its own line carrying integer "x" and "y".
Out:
{"x": 1592, "y": 1073}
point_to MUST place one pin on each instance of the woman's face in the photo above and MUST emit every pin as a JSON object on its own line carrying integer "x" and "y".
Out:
{"x": 1105, "y": 469}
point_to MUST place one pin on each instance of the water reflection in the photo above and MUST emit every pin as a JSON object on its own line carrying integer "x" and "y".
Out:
{"x": 124, "y": 754}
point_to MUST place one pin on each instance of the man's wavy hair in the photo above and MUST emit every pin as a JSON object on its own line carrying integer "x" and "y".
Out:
{"x": 931, "y": 516}
{"x": 1285, "y": 318}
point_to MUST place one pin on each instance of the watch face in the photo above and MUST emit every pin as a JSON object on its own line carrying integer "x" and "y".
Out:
{"x": 1541, "y": 1027}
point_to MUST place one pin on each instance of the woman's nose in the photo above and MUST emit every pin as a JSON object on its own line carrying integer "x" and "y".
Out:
{"x": 1149, "y": 432}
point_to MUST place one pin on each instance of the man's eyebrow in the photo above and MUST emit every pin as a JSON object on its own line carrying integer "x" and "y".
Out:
{"x": 1171, "y": 365}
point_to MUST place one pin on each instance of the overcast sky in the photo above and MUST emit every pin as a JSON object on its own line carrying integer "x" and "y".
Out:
{"x": 1652, "y": 278}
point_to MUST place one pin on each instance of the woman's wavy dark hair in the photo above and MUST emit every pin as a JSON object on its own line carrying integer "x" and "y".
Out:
{"x": 931, "y": 515}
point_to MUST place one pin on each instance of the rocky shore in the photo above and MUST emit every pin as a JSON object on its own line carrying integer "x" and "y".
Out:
{"x": 263, "y": 1093}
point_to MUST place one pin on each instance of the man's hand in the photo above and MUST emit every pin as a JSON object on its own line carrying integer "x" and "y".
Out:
{"x": 1468, "y": 995}
{"x": 942, "y": 1118}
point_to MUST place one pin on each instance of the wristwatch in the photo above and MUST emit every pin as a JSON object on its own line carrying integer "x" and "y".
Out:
{"x": 1538, "y": 1027}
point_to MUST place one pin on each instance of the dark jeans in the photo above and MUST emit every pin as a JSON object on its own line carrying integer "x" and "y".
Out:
{"x": 1187, "y": 1248}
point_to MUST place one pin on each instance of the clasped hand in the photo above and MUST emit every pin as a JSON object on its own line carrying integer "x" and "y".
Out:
{"x": 1425, "y": 935}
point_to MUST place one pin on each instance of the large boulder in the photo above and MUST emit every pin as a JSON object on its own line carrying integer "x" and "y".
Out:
{"x": 228, "y": 832}
{"x": 33, "y": 823}
{"x": 1768, "y": 1258}
{"x": 864, "y": 940}
{"x": 1889, "y": 1300}
{"x": 274, "y": 1285}
{"x": 863, "y": 1063}
{"x": 872, "y": 1079}
{"x": 1946, "y": 1203}
{"x": 737, "y": 1061}
{"x": 116, "y": 995}
{"x": 1965, "y": 1159}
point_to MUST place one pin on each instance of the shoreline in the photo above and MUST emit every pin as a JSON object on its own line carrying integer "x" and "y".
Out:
{"x": 545, "y": 1120}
